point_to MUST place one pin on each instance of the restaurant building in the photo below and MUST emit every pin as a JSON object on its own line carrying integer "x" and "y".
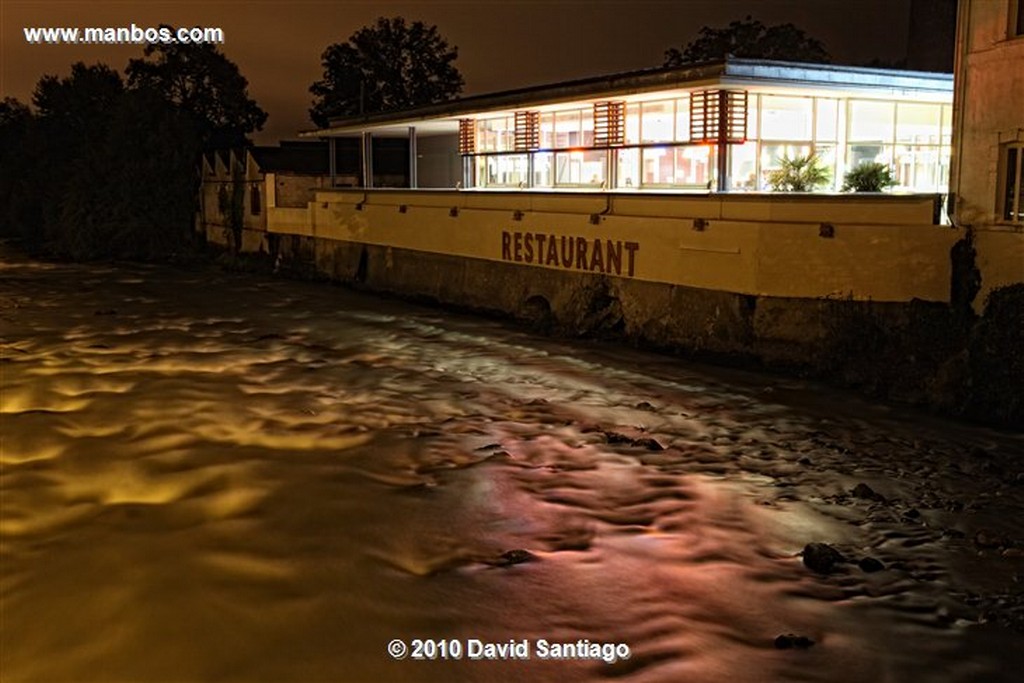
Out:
{"x": 721, "y": 126}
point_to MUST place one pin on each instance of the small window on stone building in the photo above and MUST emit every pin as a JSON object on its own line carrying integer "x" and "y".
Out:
{"x": 1016, "y": 18}
{"x": 1012, "y": 185}
{"x": 254, "y": 200}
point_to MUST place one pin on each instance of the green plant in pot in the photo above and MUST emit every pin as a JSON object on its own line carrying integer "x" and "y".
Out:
{"x": 799, "y": 174}
{"x": 870, "y": 176}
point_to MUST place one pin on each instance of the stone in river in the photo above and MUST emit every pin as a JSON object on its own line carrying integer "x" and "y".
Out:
{"x": 790, "y": 641}
{"x": 821, "y": 557}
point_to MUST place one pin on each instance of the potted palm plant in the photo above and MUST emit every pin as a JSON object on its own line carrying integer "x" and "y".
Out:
{"x": 799, "y": 174}
{"x": 870, "y": 176}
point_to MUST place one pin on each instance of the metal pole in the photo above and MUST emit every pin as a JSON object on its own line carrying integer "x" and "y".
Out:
{"x": 413, "y": 163}
{"x": 367, "y": 159}
{"x": 723, "y": 146}
{"x": 332, "y": 145}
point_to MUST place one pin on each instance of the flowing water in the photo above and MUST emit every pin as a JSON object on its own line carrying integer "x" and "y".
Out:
{"x": 224, "y": 477}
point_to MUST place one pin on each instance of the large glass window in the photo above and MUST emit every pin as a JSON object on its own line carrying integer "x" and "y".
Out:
{"x": 826, "y": 119}
{"x": 567, "y": 129}
{"x": 587, "y": 127}
{"x": 871, "y": 121}
{"x": 495, "y": 135}
{"x": 506, "y": 170}
{"x": 753, "y": 108}
{"x": 627, "y": 171}
{"x": 542, "y": 169}
{"x": 947, "y": 124}
{"x": 585, "y": 168}
{"x": 693, "y": 166}
{"x": 547, "y": 130}
{"x": 632, "y": 124}
{"x": 918, "y": 124}
{"x": 786, "y": 118}
{"x": 657, "y": 119}
{"x": 659, "y": 166}
{"x": 917, "y": 167}
{"x": 743, "y": 167}
{"x": 683, "y": 119}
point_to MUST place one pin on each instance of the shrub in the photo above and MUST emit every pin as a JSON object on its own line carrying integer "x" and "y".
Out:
{"x": 870, "y": 176}
{"x": 799, "y": 174}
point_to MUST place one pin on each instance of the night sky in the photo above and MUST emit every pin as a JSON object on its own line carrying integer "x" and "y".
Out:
{"x": 502, "y": 43}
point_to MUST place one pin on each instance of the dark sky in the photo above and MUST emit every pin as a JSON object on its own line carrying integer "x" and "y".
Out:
{"x": 502, "y": 43}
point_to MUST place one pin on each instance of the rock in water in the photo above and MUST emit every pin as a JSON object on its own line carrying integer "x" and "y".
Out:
{"x": 511, "y": 557}
{"x": 821, "y": 557}
{"x": 864, "y": 491}
{"x": 790, "y": 641}
{"x": 870, "y": 564}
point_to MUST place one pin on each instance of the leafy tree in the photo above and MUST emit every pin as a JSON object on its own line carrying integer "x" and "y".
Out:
{"x": 752, "y": 39}
{"x": 202, "y": 81}
{"x": 390, "y": 65}
{"x": 76, "y": 102}
{"x": 16, "y": 156}
{"x": 870, "y": 176}
{"x": 799, "y": 174}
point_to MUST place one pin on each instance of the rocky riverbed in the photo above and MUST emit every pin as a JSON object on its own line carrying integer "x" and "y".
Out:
{"x": 223, "y": 477}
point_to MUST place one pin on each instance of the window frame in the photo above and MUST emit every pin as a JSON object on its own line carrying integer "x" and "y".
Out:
{"x": 1009, "y": 201}
{"x": 1015, "y": 23}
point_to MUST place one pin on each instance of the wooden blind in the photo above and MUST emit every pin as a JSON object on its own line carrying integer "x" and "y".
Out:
{"x": 609, "y": 123}
{"x": 467, "y": 136}
{"x": 527, "y": 131}
{"x": 718, "y": 116}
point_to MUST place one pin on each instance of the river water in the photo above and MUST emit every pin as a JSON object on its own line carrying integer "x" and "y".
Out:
{"x": 224, "y": 477}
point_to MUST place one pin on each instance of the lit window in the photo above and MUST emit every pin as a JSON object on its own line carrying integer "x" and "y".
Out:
{"x": 657, "y": 120}
{"x": 683, "y": 119}
{"x": 743, "y": 166}
{"x": 825, "y": 119}
{"x": 542, "y": 169}
{"x": 547, "y": 131}
{"x": 632, "y": 124}
{"x": 1012, "y": 185}
{"x": 918, "y": 123}
{"x": 506, "y": 170}
{"x": 693, "y": 166}
{"x": 786, "y": 118}
{"x": 567, "y": 129}
{"x": 578, "y": 168}
{"x": 627, "y": 171}
{"x": 871, "y": 121}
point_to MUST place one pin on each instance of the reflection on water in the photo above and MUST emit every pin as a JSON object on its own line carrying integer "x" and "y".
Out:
{"x": 222, "y": 478}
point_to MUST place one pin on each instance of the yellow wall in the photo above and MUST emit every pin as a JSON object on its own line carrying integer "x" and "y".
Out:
{"x": 883, "y": 249}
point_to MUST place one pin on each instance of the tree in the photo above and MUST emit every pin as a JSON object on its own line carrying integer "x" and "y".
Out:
{"x": 390, "y": 65}
{"x": 76, "y": 102}
{"x": 752, "y": 39}
{"x": 17, "y": 205}
{"x": 200, "y": 80}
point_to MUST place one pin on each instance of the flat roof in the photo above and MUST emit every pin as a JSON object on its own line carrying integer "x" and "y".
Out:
{"x": 757, "y": 74}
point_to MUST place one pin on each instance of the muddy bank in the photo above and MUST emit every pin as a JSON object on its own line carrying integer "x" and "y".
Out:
{"x": 225, "y": 477}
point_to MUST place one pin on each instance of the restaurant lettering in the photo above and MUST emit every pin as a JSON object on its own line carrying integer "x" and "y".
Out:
{"x": 595, "y": 255}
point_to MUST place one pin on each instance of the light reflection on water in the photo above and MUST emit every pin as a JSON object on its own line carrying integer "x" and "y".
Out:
{"x": 221, "y": 478}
